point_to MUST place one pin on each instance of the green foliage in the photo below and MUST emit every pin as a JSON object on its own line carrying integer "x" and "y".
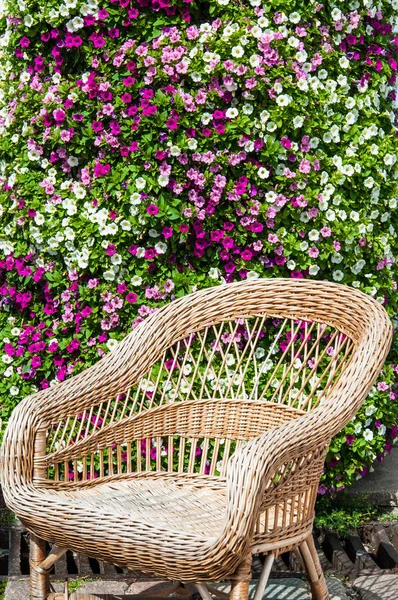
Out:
{"x": 344, "y": 513}
{"x": 3, "y": 585}
{"x": 6, "y": 517}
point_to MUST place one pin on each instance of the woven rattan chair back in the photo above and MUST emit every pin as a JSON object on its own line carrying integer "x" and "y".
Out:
{"x": 221, "y": 380}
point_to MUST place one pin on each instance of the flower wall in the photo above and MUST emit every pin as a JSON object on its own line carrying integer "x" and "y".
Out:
{"x": 150, "y": 148}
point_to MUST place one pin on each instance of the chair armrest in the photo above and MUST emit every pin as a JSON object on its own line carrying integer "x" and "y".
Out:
{"x": 111, "y": 375}
{"x": 252, "y": 466}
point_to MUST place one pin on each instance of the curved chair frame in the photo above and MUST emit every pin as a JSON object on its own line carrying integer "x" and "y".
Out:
{"x": 263, "y": 499}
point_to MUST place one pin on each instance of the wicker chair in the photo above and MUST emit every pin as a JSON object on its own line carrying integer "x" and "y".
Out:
{"x": 201, "y": 439}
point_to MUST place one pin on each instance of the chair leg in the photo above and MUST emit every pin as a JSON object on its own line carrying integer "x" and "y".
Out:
{"x": 39, "y": 582}
{"x": 240, "y": 580}
{"x": 314, "y": 570}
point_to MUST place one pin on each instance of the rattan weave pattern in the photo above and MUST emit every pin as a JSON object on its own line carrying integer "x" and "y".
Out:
{"x": 76, "y": 464}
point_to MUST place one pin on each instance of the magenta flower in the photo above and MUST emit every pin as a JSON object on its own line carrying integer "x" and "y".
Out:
{"x": 131, "y": 298}
{"x": 128, "y": 81}
{"x": 73, "y": 41}
{"x": 220, "y": 128}
{"x": 167, "y": 232}
{"x": 152, "y": 209}
{"x": 59, "y": 115}
{"x": 9, "y": 349}
{"x": 73, "y": 345}
{"x": 101, "y": 169}
{"x": 35, "y": 362}
{"x": 97, "y": 40}
{"x": 86, "y": 312}
{"x": 229, "y": 267}
{"x": 111, "y": 250}
{"x": 172, "y": 124}
{"x": 96, "y": 126}
{"x": 61, "y": 374}
{"x": 149, "y": 110}
{"x": 246, "y": 255}
{"x": 286, "y": 143}
{"x": 150, "y": 253}
{"x": 24, "y": 42}
{"x": 114, "y": 127}
{"x": 228, "y": 242}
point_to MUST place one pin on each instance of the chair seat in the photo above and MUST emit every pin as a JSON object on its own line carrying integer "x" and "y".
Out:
{"x": 181, "y": 507}
{"x": 175, "y": 505}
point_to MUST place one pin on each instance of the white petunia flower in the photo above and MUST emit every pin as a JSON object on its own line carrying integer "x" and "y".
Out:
{"x": 313, "y": 270}
{"x": 313, "y": 235}
{"x": 284, "y": 100}
{"x": 263, "y": 173}
{"x": 252, "y": 275}
{"x": 230, "y": 360}
{"x": 160, "y": 247}
{"x": 163, "y": 180}
{"x": 256, "y": 31}
{"x": 294, "y": 17}
{"x": 368, "y": 435}
{"x": 112, "y": 344}
{"x": 125, "y": 225}
{"x": 302, "y": 84}
{"x": 109, "y": 275}
{"x": 237, "y": 51}
{"x": 140, "y": 183}
{"x": 247, "y": 109}
{"x": 344, "y": 62}
{"x": 298, "y": 122}
{"x": 231, "y": 113}
{"x": 135, "y": 198}
{"x": 337, "y": 275}
{"x": 192, "y": 144}
{"x": 301, "y": 56}
{"x": 336, "y": 14}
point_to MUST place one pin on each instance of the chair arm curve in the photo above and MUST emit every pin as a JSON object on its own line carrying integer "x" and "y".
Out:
{"x": 252, "y": 465}
{"x": 108, "y": 377}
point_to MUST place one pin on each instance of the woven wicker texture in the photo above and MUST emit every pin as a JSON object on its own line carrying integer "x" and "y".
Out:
{"x": 201, "y": 439}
